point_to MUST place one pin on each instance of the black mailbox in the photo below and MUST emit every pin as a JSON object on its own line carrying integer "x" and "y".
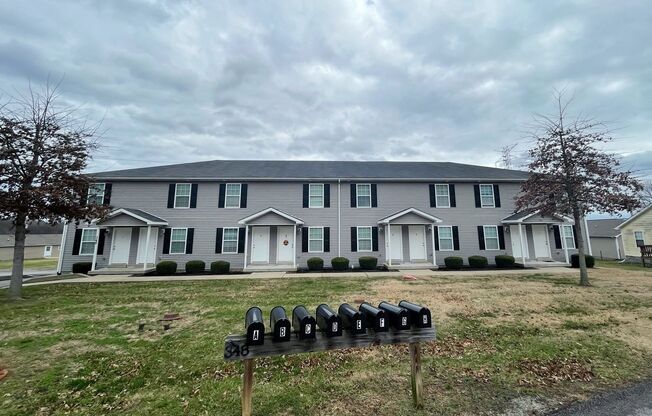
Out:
{"x": 304, "y": 324}
{"x": 329, "y": 321}
{"x": 419, "y": 315}
{"x": 374, "y": 317}
{"x": 255, "y": 326}
{"x": 398, "y": 317}
{"x": 352, "y": 320}
{"x": 281, "y": 327}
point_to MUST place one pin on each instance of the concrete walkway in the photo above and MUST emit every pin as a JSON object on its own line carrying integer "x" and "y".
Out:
{"x": 287, "y": 275}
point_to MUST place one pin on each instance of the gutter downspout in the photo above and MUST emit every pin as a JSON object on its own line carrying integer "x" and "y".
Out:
{"x": 339, "y": 231}
{"x": 62, "y": 247}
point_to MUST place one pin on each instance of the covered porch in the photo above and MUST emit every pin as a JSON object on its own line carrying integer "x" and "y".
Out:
{"x": 270, "y": 241}
{"x": 131, "y": 237}
{"x": 410, "y": 239}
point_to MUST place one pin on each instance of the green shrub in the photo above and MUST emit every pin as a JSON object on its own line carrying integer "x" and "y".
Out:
{"x": 195, "y": 267}
{"x": 82, "y": 267}
{"x": 220, "y": 267}
{"x": 368, "y": 262}
{"x": 575, "y": 261}
{"x": 315, "y": 263}
{"x": 340, "y": 263}
{"x": 478, "y": 262}
{"x": 503, "y": 261}
{"x": 166, "y": 267}
{"x": 453, "y": 262}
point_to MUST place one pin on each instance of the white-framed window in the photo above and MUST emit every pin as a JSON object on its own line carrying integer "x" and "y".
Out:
{"x": 364, "y": 239}
{"x": 230, "y": 240}
{"x": 568, "y": 236}
{"x": 363, "y": 194}
{"x": 445, "y": 233}
{"x": 47, "y": 252}
{"x": 315, "y": 239}
{"x": 442, "y": 195}
{"x": 639, "y": 236}
{"x": 178, "y": 238}
{"x": 487, "y": 196}
{"x": 88, "y": 241}
{"x": 316, "y": 195}
{"x": 491, "y": 237}
{"x": 182, "y": 195}
{"x": 96, "y": 194}
{"x": 233, "y": 192}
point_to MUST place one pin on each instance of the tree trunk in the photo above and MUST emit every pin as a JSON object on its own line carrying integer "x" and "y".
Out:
{"x": 16, "y": 284}
{"x": 584, "y": 274}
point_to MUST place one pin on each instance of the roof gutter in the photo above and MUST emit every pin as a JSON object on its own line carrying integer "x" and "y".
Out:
{"x": 327, "y": 179}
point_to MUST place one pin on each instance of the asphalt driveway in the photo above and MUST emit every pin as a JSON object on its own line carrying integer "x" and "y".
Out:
{"x": 631, "y": 401}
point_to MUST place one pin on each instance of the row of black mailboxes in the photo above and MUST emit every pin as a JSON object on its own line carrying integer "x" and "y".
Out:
{"x": 355, "y": 321}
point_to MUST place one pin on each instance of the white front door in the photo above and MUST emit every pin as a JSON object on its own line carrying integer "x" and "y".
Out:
{"x": 260, "y": 244}
{"x": 396, "y": 235}
{"x": 120, "y": 245}
{"x": 417, "y": 242}
{"x": 516, "y": 241}
{"x": 285, "y": 244}
{"x": 540, "y": 237}
{"x": 142, "y": 237}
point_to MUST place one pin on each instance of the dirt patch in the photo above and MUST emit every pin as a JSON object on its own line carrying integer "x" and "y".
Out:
{"x": 547, "y": 372}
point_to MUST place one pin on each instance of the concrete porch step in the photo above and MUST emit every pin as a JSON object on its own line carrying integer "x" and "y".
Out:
{"x": 122, "y": 270}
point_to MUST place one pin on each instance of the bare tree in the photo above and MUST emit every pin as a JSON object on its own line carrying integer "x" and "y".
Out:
{"x": 506, "y": 160}
{"x": 569, "y": 175}
{"x": 646, "y": 193}
{"x": 44, "y": 149}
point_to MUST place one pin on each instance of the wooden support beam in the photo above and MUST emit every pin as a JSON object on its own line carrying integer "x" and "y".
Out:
{"x": 417, "y": 379}
{"x": 247, "y": 386}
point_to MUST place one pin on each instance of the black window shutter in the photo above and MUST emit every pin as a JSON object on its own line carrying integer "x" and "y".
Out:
{"x": 374, "y": 238}
{"x": 481, "y": 237}
{"x": 436, "y": 236}
{"x": 108, "y": 187}
{"x": 327, "y": 195}
{"x": 354, "y": 196}
{"x": 575, "y": 235}
{"x": 306, "y": 196}
{"x": 76, "y": 242}
{"x": 433, "y": 200}
{"x": 100, "y": 242}
{"x": 476, "y": 191}
{"x": 374, "y": 195}
{"x": 218, "y": 240}
{"x": 557, "y": 233}
{"x": 497, "y": 196}
{"x": 456, "y": 238}
{"x": 354, "y": 239}
{"x": 190, "y": 236}
{"x": 243, "y": 195}
{"x": 501, "y": 237}
{"x": 327, "y": 239}
{"x": 451, "y": 192}
{"x": 304, "y": 239}
{"x": 166, "y": 240}
{"x": 241, "y": 239}
{"x": 220, "y": 200}
{"x": 171, "y": 190}
{"x": 193, "y": 195}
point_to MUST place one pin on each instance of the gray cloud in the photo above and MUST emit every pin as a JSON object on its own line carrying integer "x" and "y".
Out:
{"x": 179, "y": 81}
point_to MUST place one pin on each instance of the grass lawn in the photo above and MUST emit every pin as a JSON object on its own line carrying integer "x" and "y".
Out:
{"x": 34, "y": 264}
{"x": 622, "y": 266}
{"x": 516, "y": 342}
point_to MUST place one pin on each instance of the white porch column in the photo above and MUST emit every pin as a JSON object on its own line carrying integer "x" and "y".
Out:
{"x": 97, "y": 240}
{"x": 62, "y": 248}
{"x": 588, "y": 237}
{"x": 294, "y": 246}
{"x": 389, "y": 244}
{"x": 149, "y": 232}
{"x": 246, "y": 246}
{"x": 563, "y": 242}
{"x": 432, "y": 234}
{"x": 520, "y": 235}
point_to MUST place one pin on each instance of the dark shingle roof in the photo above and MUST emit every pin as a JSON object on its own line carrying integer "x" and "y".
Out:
{"x": 604, "y": 228}
{"x": 145, "y": 215}
{"x": 34, "y": 227}
{"x": 294, "y": 169}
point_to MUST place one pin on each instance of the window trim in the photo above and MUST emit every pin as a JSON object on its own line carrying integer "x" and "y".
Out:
{"x": 88, "y": 196}
{"x": 226, "y": 195}
{"x": 448, "y": 196}
{"x": 315, "y": 239}
{"x": 484, "y": 235}
{"x": 357, "y": 195}
{"x": 452, "y": 239}
{"x": 642, "y": 237}
{"x": 185, "y": 240}
{"x": 493, "y": 195}
{"x": 310, "y": 195}
{"x": 81, "y": 241}
{"x": 176, "y": 188}
{"x": 237, "y": 239}
{"x": 46, "y": 252}
{"x": 571, "y": 236}
{"x": 371, "y": 238}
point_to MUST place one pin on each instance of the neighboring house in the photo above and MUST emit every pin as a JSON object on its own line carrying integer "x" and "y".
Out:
{"x": 42, "y": 240}
{"x": 262, "y": 215}
{"x": 636, "y": 231}
{"x": 606, "y": 241}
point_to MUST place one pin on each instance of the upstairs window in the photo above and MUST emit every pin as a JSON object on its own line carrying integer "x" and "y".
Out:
{"x": 442, "y": 195}
{"x": 182, "y": 195}
{"x": 640, "y": 238}
{"x": 233, "y": 192}
{"x": 363, "y": 192}
{"x": 88, "y": 240}
{"x": 487, "y": 196}
{"x": 316, "y": 195}
{"x": 569, "y": 237}
{"x": 178, "y": 240}
{"x": 491, "y": 237}
{"x": 96, "y": 194}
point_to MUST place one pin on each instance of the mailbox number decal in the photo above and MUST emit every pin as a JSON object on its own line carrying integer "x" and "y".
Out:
{"x": 282, "y": 332}
{"x": 308, "y": 329}
{"x": 255, "y": 336}
{"x": 334, "y": 328}
{"x": 404, "y": 321}
{"x": 233, "y": 349}
{"x": 381, "y": 323}
{"x": 358, "y": 324}
{"x": 425, "y": 319}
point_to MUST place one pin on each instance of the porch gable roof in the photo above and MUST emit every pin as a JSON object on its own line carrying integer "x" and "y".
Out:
{"x": 521, "y": 217}
{"x": 140, "y": 215}
{"x": 270, "y": 210}
{"x": 389, "y": 218}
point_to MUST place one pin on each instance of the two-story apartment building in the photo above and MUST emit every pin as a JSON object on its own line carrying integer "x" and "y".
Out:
{"x": 262, "y": 215}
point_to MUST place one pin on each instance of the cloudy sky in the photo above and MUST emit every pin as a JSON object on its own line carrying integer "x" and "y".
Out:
{"x": 185, "y": 81}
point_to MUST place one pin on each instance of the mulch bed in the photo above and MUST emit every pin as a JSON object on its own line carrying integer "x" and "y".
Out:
{"x": 327, "y": 270}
